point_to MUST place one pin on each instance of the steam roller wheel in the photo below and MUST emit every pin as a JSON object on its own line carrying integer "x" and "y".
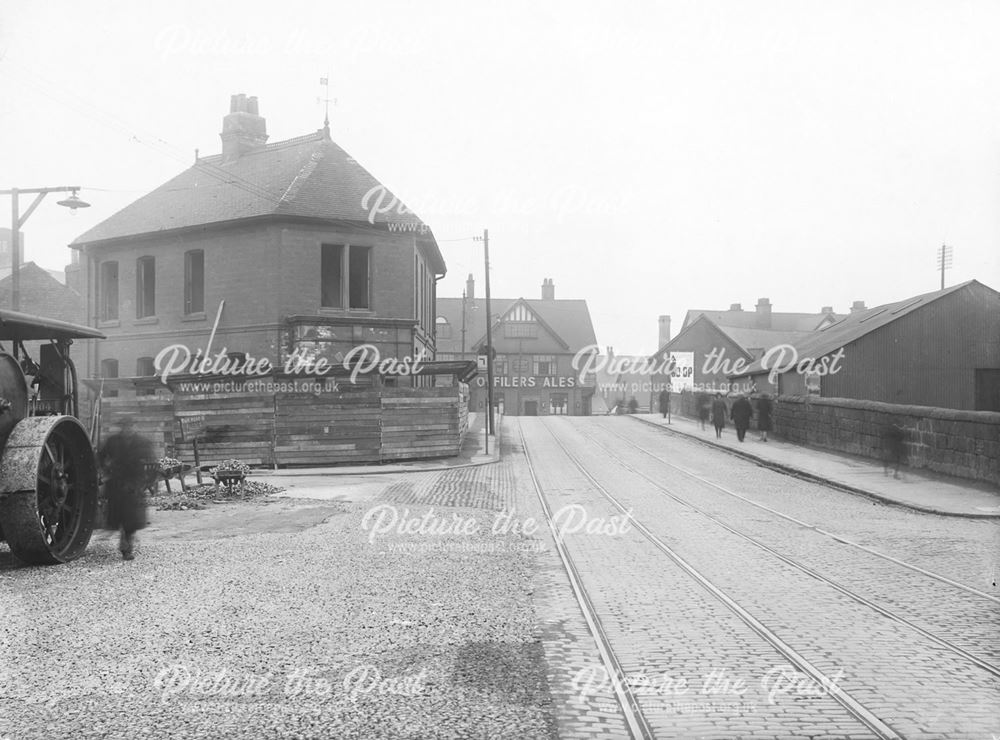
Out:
{"x": 48, "y": 489}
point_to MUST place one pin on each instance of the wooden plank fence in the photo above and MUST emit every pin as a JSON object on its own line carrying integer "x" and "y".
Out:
{"x": 372, "y": 425}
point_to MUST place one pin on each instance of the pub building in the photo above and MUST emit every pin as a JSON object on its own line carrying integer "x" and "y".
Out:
{"x": 534, "y": 341}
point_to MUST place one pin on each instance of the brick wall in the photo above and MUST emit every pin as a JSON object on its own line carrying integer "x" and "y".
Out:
{"x": 960, "y": 443}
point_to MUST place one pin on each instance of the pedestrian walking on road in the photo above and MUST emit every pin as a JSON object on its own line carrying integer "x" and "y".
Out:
{"x": 123, "y": 458}
{"x": 719, "y": 414}
{"x": 893, "y": 448}
{"x": 764, "y": 408}
{"x": 741, "y": 414}
{"x": 704, "y": 407}
{"x": 665, "y": 404}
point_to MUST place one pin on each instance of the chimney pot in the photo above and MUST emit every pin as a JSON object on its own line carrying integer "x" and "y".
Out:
{"x": 858, "y": 306}
{"x": 826, "y": 309}
{"x": 548, "y": 290}
{"x": 664, "y": 335}
{"x": 244, "y": 129}
{"x": 763, "y": 318}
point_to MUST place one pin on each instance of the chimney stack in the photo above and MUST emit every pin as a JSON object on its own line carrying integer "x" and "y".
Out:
{"x": 735, "y": 307}
{"x": 763, "y": 318}
{"x": 826, "y": 309}
{"x": 244, "y": 129}
{"x": 664, "y": 335}
{"x": 470, "y": 287}
{"x": 858, "y": 307}
{"x": 548, "y": 290}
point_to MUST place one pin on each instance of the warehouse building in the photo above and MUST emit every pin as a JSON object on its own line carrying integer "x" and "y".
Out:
{"x": 939, "y": 349}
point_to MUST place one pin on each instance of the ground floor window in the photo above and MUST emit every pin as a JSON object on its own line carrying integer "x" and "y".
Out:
{"x": 559, "y": 403}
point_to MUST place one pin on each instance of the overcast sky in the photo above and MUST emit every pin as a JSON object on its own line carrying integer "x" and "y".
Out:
{"x": 650, "y": 157}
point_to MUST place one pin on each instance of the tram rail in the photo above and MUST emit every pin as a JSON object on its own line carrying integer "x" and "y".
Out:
{"x": 631, "y": 709}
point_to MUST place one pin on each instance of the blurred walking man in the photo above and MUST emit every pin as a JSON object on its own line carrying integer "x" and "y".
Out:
{"x": 123, "y": 458}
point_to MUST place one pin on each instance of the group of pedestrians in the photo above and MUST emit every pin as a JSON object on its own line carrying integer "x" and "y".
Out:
{"x": 741, "y": 413}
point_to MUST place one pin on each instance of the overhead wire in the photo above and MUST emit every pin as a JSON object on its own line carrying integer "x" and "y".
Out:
{"x": 37, "y": 83}
{"x": 135, "y": 134}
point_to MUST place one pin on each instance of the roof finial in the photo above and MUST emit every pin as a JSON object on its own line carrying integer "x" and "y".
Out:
{"x": 325, "y": 81}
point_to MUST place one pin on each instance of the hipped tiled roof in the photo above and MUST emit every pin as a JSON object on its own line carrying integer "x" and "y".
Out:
{"x": 306, "y": 177}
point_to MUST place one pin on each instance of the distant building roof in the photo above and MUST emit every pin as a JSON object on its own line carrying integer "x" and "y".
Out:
{"x": 43, "y": 295}
{"x": 778, "y": 321}
{"x": 58, "y": 275}
{"x": 856, "y": 325}
{"x": 569, "y": 319}
{"x": 761, "y": 339}
{"x": 305, "y": 177}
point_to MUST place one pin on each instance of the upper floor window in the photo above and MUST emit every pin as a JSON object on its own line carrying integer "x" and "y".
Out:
{"x": 109, "y": 291}
{"x": 520, "y": 330}
{"x": 359, "y": 277}
{"x": 345, "y": 276}
{"x": 194, "y": 281}
{"x": 545, "y": 365}
{"x": 443, "y": 328}
{"x": 145, "y": 287}
{"x": 520, "y": 365}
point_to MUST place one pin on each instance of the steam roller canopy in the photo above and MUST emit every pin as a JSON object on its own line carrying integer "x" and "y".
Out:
{"x": 48, "y": 489}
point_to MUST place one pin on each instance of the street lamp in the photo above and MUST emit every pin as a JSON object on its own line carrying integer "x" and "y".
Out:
{"x": 17, "y": 221}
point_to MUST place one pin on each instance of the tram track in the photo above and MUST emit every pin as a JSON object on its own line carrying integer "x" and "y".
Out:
{"x": 631, "y": 709}
{"x": 794, "y": 563}
{"x": 805, "y": 525}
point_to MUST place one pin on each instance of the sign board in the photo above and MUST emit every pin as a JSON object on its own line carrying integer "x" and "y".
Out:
{"x": 481, "y": 363}
{"x": 682, "y": 372}
{"x": 191, "y": 427}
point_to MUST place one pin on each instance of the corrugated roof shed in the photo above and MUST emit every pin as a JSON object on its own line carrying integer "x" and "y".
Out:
{"x": 856, "y": 325}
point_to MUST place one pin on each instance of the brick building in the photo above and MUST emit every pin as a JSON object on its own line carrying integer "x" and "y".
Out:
{"x": 535, "y": 341}
{"x": 293, "y": 245}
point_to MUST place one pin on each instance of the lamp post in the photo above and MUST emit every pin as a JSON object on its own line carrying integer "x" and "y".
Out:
{"x": 17, "y": 221}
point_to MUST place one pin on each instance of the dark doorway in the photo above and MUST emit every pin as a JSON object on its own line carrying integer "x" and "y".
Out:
{"x": 531, "y": 408}
{"x": 987, "y": 389}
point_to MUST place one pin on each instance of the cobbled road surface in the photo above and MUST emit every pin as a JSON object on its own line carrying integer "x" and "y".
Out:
{"x": 435, "y": 605}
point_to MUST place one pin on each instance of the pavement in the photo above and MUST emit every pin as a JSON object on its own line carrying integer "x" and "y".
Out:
{"x": 914, "y": 489}
{"x": 918, "y": 490}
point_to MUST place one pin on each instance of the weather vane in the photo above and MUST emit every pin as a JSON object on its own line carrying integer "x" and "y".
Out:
{"x": 325, "y": 82}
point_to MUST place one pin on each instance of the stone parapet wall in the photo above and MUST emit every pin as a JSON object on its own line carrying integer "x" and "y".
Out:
{"x": 960, "y": 443}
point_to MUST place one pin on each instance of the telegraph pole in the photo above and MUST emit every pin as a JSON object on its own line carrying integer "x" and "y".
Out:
{"x": 944, "y": 261}
{"x": 489, "y": 336}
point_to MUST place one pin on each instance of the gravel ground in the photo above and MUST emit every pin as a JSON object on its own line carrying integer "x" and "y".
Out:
{"x": 308, "y": 630}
